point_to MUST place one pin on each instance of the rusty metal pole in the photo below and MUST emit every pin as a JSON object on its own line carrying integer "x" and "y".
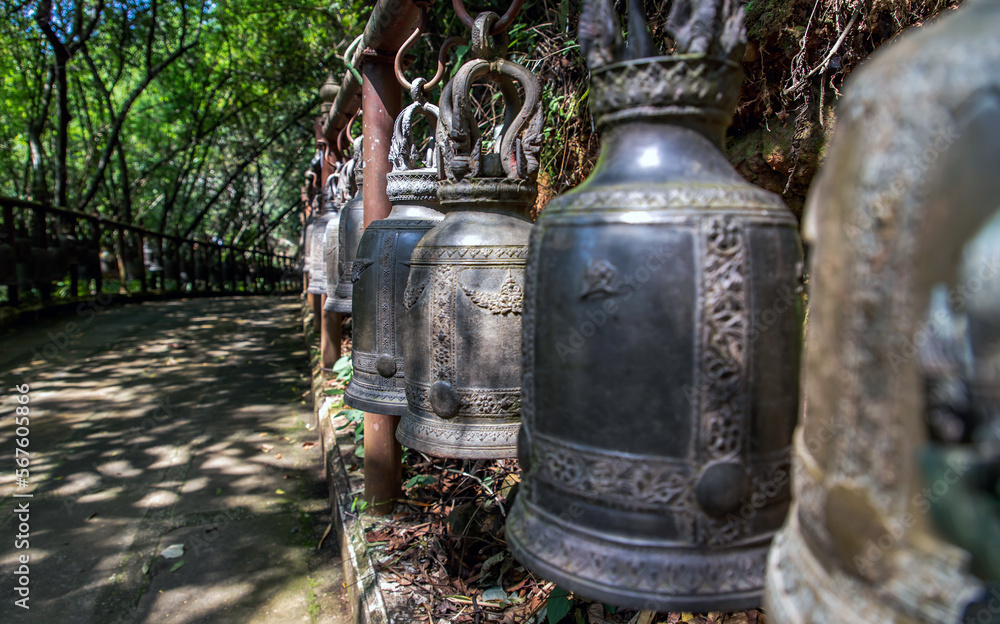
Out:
{"x": 380, "y": 103}
{"x": 330, "y": 339}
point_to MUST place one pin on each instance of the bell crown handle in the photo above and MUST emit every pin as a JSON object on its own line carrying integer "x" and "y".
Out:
{"x": 458, "y": 137}
{"x": 712, "y": 28}
{"x": 403, "y": 154}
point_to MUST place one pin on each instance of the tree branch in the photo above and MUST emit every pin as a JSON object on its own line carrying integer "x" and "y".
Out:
{"x": 119, "y": 121}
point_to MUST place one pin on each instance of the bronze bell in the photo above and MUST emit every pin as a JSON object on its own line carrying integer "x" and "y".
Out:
{"x": 464, "y": 294}
{"x": 330, "y": 236}
{"x": 306, "y": 244}
{"x": 662, "y": 326}
{"x": 382, "y": 266}
{"x": 909, "y": 179}
{"x": 350, "y": 228}
{"x": 317, "y": 245}
{"x": 331, "y": 250}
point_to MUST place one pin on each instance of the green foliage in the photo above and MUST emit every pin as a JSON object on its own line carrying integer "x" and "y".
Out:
{"x": 356, "y": 419}
{"x": 419, "y": 481}
{"x": 344, "y": 369}
{"x": 181, "y": 116}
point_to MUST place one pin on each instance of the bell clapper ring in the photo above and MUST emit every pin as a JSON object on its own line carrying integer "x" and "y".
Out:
{"x": 499, "y": 26}
{"x": 419, "y": 87}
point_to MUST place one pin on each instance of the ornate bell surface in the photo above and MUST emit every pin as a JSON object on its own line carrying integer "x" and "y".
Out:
{"x": 350, "y": 228}
{"x": 909, "y": 180}
{"x": 381, "y": 270}
{"x": 464, "y": 293}
{"x": 661, "y": 339}
{"x": 317, "y": 247}
{"x": 331, "y": 252}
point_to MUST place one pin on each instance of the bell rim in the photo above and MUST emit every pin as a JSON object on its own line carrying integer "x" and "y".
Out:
{"x": 622, "y": 595}
{"x": 338, "y": 304}
{"x": 440, "y": 447}
{"x": 368, "y": 403}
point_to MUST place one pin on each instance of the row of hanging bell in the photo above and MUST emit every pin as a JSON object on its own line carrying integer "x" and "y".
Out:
{"x": 312, "y": 200}
{"x": 463, "y": 298}
{"x": 656, "y": 426}
{"x": 340, "y": 288}
{"x": 382, "y": 265}
{"x": 318, "y": 249}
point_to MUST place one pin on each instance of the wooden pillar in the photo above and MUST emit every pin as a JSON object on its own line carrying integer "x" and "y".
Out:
{"x": 380, "y": 103}
{"x": 316, "y": 301}
{"x": 330, "y": 339}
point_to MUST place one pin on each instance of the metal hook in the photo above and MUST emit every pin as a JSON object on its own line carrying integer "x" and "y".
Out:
{"x": 500, "y": 26}
{"x": 350, "y": 123}
{"x": 347, "y": 58}
{"x": 448, "y": 44}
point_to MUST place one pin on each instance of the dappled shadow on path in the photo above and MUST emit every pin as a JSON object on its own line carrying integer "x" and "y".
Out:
{"x": 161, "y": 423}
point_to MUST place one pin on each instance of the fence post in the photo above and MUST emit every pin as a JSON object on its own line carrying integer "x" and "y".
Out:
{"x": 13, "y": 295}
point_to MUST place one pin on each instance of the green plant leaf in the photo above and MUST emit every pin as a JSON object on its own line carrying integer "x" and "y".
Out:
{"x": 419, "y": 481}
{"x": 177, "y": 566}
{"x": 558, "y": 605}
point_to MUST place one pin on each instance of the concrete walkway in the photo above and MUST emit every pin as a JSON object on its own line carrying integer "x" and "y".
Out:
{"x": 183, "y": 422}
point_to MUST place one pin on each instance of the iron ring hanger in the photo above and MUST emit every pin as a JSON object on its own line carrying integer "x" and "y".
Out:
{"x": 448, "y": 44}
{"x": 346, "y": 132}
{"x": 499, "y": 26}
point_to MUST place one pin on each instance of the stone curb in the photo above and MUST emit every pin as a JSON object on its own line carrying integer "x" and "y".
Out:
{"x": 367, "y": 604}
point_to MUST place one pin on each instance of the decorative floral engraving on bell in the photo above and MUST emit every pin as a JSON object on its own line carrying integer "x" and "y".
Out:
{"x": 340, "y": 288}
{"x": 909, "y": 179}
{"x": 463, "y": 296}
{"x": 662, "y": 320}
{"x": 382, "y": 266}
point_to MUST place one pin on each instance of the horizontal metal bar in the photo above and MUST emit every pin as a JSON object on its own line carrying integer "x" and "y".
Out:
{"x": 111, "y": 223}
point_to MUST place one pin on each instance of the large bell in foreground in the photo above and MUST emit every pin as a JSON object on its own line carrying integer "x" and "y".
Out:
{"x": 350, "y": 227}
{"x": 464, "y": 295}
{"x": 909, "y": 179}
{"x": 662, "y": 326}
{"x": 381, "y": 270}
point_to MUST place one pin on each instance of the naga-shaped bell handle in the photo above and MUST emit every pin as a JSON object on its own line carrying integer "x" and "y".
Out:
{"x": 403, "y": 153}
{"x": 458, "y": 137}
